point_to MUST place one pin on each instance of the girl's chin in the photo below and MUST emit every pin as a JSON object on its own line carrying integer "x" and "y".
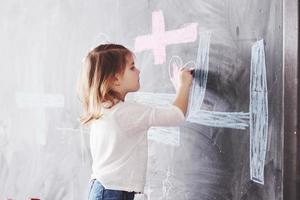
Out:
{"x": 135, "y": 89}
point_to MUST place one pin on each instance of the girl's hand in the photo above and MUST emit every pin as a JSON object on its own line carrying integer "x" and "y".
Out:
{"x": 185, "y": 77}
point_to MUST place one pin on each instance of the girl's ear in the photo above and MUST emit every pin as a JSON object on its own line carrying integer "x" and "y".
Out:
{"x": 116, "y": 80}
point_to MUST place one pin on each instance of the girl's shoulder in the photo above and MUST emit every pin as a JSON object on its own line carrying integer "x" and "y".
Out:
{"x": 134, "y": 104}
{"x": 131, "y": 106}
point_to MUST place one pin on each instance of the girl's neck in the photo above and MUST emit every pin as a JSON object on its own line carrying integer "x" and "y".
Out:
{"x": 109, "y": 104}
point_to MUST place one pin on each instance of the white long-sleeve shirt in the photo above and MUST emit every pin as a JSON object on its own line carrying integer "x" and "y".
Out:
{"x": 119, "y": 145}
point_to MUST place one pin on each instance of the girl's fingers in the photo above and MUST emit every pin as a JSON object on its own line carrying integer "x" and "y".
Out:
{"x": 187, "y": 68}
{"x": 184, "y": 69}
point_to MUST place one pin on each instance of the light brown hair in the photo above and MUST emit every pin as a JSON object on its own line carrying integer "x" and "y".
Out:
{"x": 97, "y": 74}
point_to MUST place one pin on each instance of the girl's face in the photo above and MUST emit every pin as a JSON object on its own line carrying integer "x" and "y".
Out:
{"x": 130, "y": 80}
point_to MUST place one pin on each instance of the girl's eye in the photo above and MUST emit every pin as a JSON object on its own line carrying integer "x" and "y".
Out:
{"x": 132, "y": 68}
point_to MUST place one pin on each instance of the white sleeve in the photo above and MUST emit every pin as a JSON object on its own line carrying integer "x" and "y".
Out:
{"x": 166, "y": 116}
{"x": 138, "y": 116}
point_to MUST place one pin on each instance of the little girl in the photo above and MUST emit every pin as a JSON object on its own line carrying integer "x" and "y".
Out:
{"x": 118, "y": 136}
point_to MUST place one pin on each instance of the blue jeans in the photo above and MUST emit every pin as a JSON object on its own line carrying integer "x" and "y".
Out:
{"x": 98, "y": 192}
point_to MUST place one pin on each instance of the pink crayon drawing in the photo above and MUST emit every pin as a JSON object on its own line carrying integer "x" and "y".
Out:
{"x": 159, "y": 39}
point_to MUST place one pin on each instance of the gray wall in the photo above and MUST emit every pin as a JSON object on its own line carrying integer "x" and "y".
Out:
{"x": 44, "y": 152}
{"x": 291, "y": 101}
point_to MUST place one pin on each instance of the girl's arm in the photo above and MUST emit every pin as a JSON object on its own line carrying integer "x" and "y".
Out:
{"x": 182, "y": 94}
{"x": 144, "y": 116}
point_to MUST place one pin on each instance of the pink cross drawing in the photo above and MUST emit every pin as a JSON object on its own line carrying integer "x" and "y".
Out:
{"x": 161, "y": 38}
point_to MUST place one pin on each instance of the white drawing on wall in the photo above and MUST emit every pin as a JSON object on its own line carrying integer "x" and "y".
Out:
{"x": 235, "y": 120}
{"x": 257, "y": 117}
{"x": 5, "y": 125}
{"x": 258, "y": 112}
{"x": 39, "y": 102}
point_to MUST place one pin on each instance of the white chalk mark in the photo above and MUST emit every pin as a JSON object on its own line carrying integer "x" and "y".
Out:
{"x": 41, "y": 127}
{"x": 34, "y": 100}
{"x": 100, "y": 38}
{"x": 234, "y": 120}
{"x": 257, "y": 116}
{"x": 258, "y": 112}
{"x": 39, "y": 101}
{"x": 5, "y": 126}
{"x": 201, "y": 73}
{"x": 175, "y": 64}
{"x": 154, "y": 98}
{"x": 165, "y": 135}
{"x": 174, "y": 67}
{"x": 173, "y": 188}
{"x": 167, "y": 184}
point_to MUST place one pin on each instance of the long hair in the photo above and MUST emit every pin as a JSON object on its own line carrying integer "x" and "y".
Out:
{"x": 98, "y": 72}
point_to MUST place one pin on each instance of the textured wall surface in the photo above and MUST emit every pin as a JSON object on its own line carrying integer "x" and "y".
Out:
{"x": 44, "y": 153}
